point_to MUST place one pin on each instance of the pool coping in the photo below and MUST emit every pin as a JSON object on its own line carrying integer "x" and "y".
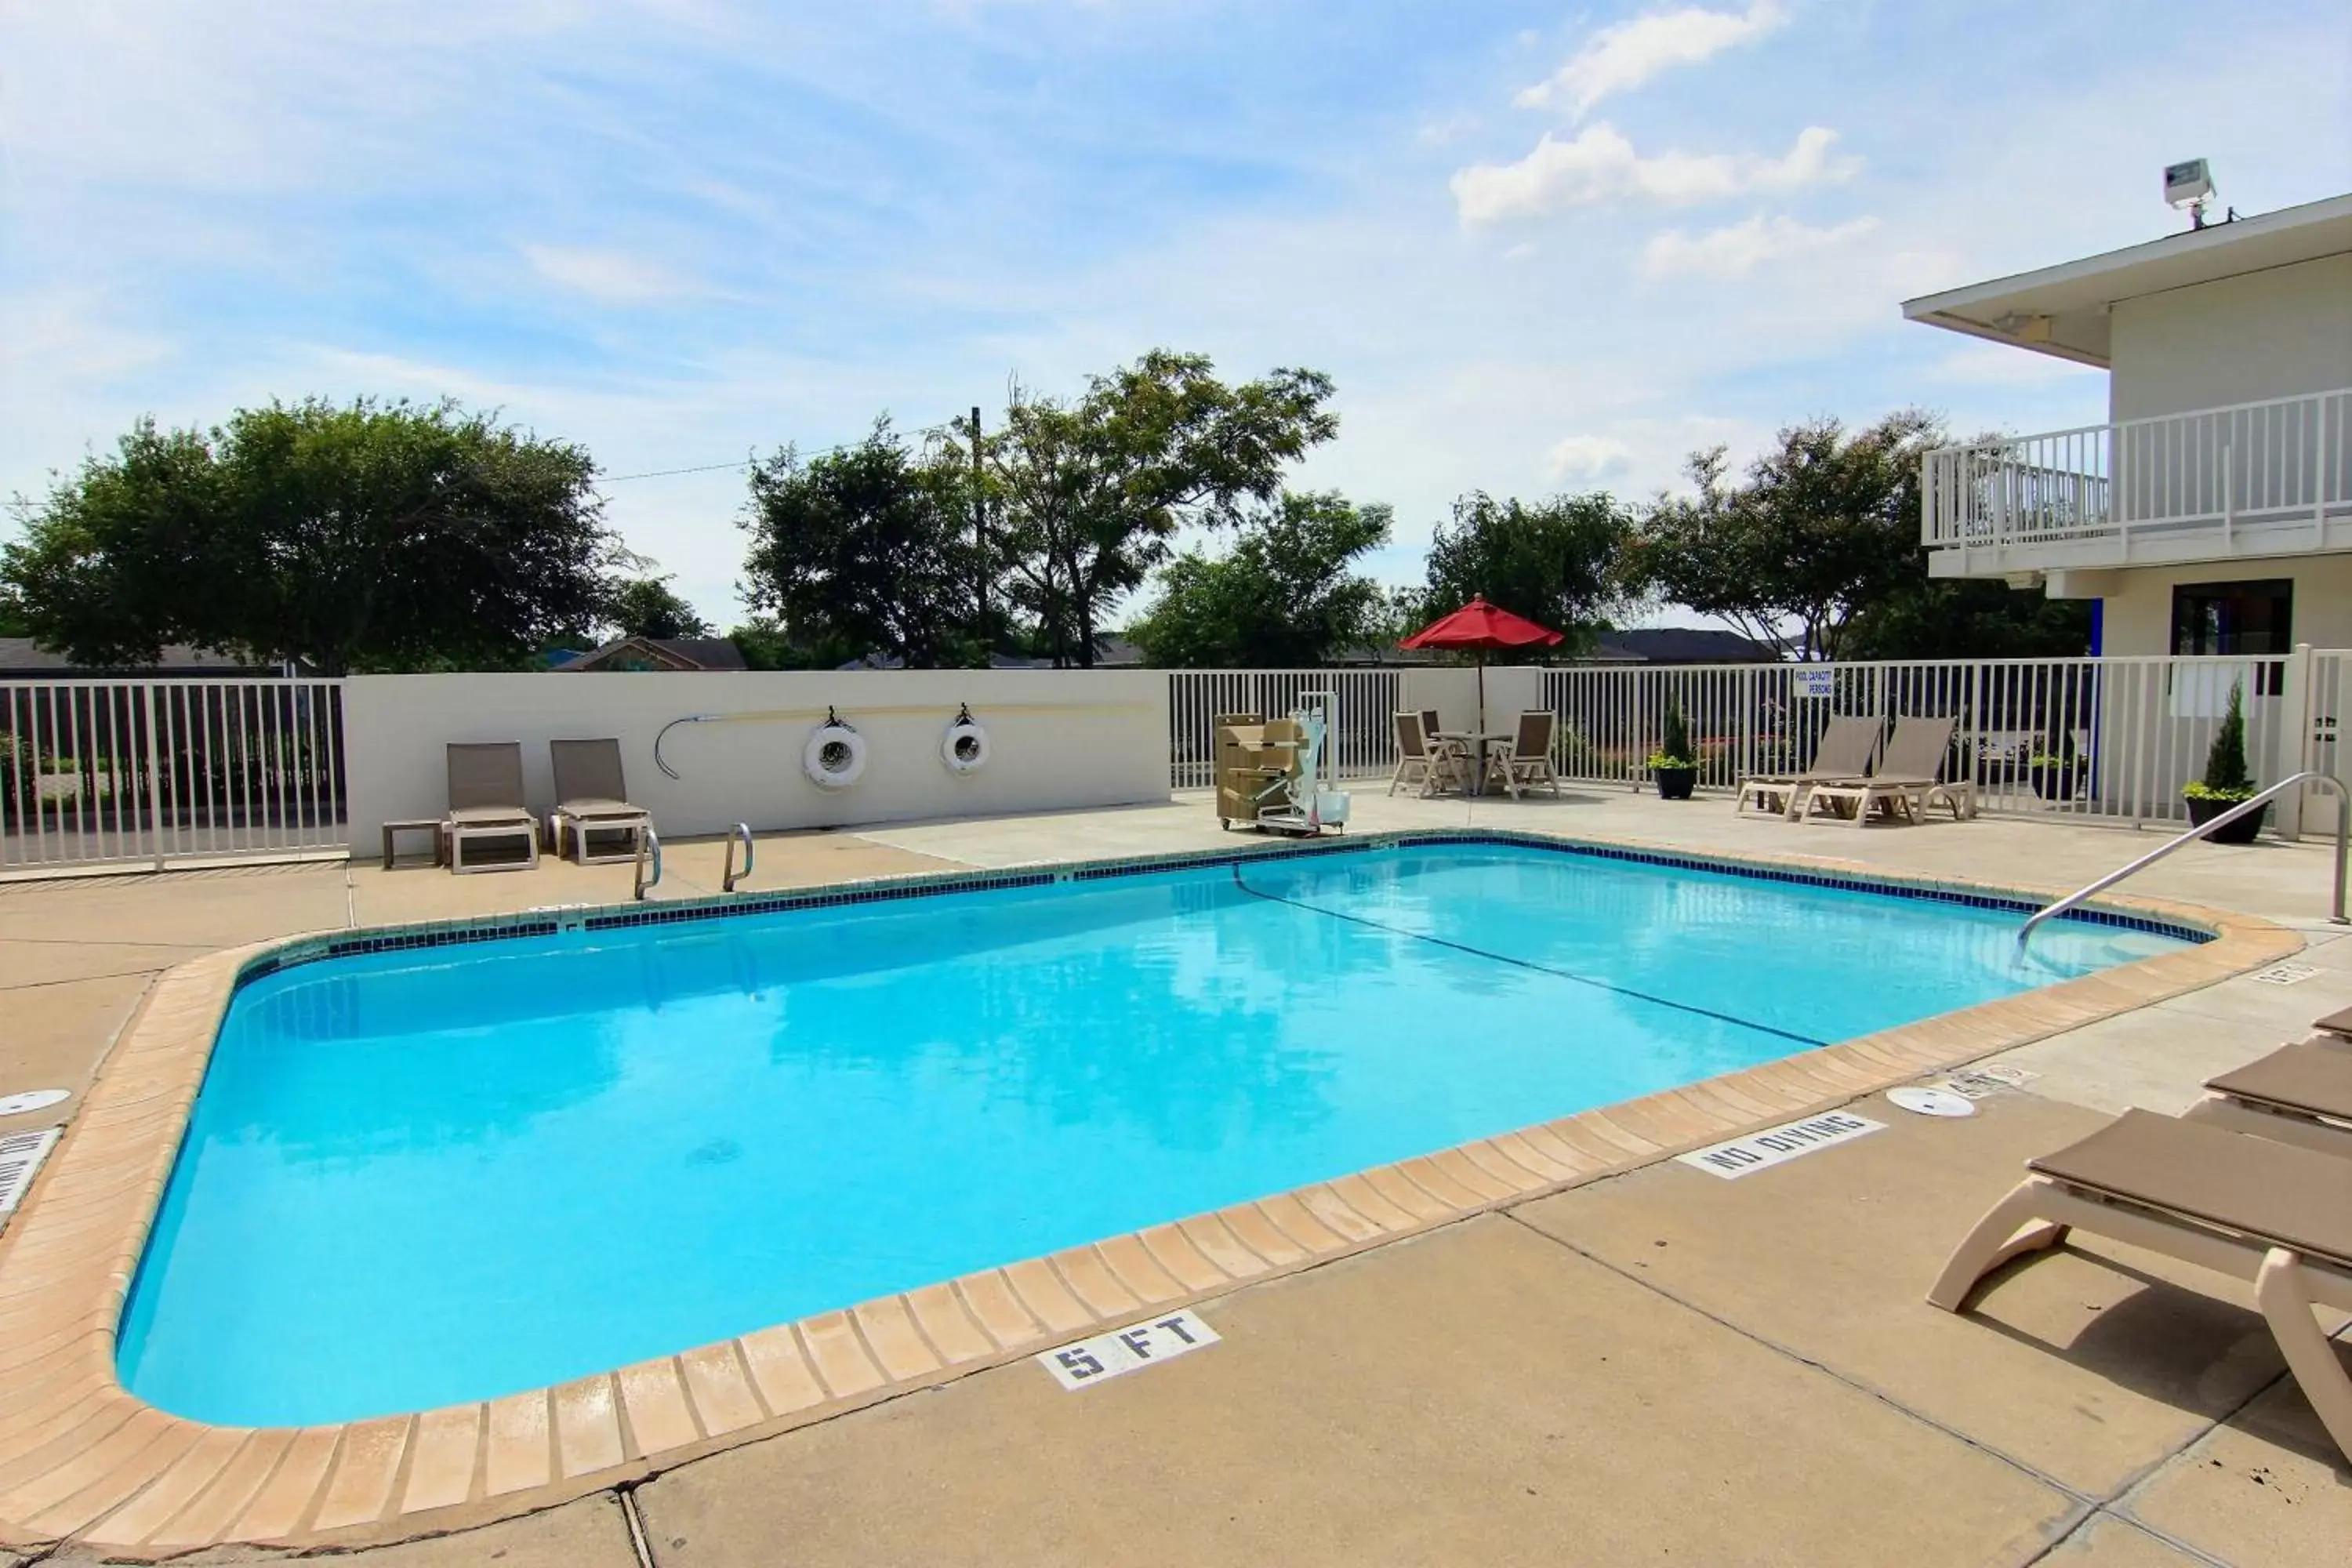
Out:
{"x": 82, "y": 1457}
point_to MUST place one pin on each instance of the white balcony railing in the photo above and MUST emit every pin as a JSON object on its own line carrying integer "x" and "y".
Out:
{"x": 2178, "y": 486}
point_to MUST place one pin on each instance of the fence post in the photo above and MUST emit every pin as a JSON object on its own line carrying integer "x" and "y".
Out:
{"x": 2292, "y": 750}
{"x": 154, "y": 776}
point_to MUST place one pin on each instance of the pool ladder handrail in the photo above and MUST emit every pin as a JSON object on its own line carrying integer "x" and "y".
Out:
{"x": 2243, "y": 809}
{"x": 741, "y": 830}
{"x": 648, "y": 848}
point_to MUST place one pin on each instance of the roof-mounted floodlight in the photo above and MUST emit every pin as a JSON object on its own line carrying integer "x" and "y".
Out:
{"x": 2190, "y": 185}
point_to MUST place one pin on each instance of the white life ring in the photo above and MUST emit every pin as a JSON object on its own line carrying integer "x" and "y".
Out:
{"x": 964, "y": 748}
{"x": 834, "y": 755}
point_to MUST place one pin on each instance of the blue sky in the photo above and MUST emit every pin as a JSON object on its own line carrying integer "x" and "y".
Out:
{"x": 1540, "y": 246}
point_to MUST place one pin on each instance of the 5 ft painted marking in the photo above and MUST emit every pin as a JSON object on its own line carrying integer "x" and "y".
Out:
{"x": 1107, "y": 1356}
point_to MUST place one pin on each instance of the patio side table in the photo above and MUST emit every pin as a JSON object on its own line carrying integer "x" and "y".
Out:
{"x": 411, "y": 824}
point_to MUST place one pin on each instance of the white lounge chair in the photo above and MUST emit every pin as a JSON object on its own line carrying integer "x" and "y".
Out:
{"x": 2253, "y": 1207}
{"x": 1843, "y": 752}
{"x": 486, "y": 803}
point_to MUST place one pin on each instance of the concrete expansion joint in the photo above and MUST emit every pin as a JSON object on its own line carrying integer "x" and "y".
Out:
{"x": 639, "y": 1541}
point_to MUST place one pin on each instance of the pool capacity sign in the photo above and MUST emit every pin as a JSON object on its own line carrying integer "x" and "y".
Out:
{"x": 1107, "y": 1356}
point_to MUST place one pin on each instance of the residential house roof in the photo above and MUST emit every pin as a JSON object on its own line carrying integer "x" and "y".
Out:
{"x": 21, "y": 658}
{"x": 658, "y": 653}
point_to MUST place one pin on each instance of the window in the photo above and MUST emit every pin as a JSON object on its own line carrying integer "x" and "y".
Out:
{"x": 2255, "y": 618}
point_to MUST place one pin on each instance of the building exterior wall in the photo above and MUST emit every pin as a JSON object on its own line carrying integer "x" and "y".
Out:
{"x": 2138, "y": 617}
{"x": 2280, "y": 333}
{"x": 1058, "y": 740}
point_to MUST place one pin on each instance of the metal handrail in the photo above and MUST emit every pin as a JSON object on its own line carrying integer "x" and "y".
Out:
{"x": 741, "y": 830}
{"x": 2244, "y": 807}
{"x": 648, "y": 845}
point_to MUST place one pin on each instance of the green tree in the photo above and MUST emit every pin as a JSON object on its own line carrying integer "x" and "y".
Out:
{"x": 1282, "y": 596}
{"x": 1091, "y": 491}
{"x": 1960, "y": 617}
{"x": 1560, "y": 563}
{"x": 649, "y": 607}
{"x": 1824, "y": 525}
{"x": 371, "y": 536}
{"x": 865, "y": 550}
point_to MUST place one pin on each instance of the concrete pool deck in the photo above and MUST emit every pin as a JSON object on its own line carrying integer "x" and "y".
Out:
{"x": 1770, "y": 1386}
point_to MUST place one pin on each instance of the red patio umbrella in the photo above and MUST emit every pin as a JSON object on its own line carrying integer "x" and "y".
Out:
{"x": 1480, "y": 625}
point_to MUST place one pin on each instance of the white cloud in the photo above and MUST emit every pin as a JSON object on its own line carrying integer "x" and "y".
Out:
{"x": 1740, "y": 249}
{"x": 1623, "y": 56}
{"x": 606, "y": 275}
{"x": 1587, "y": 458}
{"x": 1599, "y": 164}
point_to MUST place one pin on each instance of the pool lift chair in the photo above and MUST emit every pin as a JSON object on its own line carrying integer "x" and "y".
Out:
{"x": 1281, "y": 775}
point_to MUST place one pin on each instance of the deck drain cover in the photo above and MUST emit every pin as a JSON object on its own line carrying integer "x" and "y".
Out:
{"x": 32, "y": 1099}
{"x": 1931, "y": 1102}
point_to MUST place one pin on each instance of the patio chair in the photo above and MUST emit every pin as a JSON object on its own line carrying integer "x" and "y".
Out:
{"x": 486, "y": 802}
{"x": 1524, "y": 760}
{"x": 2337, "y": 1023}
{"x": 1418, "y": 748}
{"x": 2297, "y": 1094}
{"x": 2259, "y": 1209}
{"x": 1843, "y": 752}
{"x": 1907, "y": 780}
{"x": 592, "y": 798}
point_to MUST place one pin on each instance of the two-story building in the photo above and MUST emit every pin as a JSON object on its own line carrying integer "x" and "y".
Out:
{"x": 2212, "y": 512}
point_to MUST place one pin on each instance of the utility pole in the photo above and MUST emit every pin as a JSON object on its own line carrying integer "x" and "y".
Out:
{"x": 980, "y": 527}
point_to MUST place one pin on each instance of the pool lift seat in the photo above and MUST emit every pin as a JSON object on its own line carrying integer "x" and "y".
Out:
{"x": 1279, "y": 776}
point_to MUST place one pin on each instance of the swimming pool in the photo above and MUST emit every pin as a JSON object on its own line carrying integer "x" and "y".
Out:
{"x": 423, "y": 1176}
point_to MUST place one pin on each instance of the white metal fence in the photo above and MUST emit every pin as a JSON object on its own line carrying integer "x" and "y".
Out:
{"x": 2286, "y": 460}
{"x": 2069, "y": 738}
{"x": 96, "y": 773}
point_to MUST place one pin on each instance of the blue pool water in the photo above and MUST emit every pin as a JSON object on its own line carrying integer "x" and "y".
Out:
{"x": 416, "y": 1178}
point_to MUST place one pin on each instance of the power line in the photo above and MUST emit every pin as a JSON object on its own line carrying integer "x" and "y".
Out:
{"x": 747, "y": 462}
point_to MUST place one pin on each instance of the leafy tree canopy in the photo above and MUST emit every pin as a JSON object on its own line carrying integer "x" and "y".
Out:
{"x": 649, "y": 607}
{"x": 1816, "y": 552}
{"x": 1823, "y": 525}
{"x": 1089, "y": 491}
{"x": 1283, "y": 597}
{"x": 865, "y": 550}
{"x": 1559, "y": 562}
{"x": 371, "y": 536}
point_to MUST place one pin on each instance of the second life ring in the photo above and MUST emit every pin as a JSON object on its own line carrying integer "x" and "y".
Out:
{"x": 964, "y": 748}
{"x": 834, "y": 755}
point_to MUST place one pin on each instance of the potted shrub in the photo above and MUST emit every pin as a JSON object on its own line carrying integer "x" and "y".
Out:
{"x": 1673, "y": 767}
{"x": 2227, "y": 782}
{"x": 2054, "y": 767}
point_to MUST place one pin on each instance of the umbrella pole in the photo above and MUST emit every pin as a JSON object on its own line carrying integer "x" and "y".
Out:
{"x": 1481, "y": 691}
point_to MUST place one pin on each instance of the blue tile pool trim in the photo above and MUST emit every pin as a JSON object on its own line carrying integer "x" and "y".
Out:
{"x": 543, "y": 923}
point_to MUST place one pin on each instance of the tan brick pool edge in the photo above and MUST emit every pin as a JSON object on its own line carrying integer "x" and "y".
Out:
{"x": 81, "y": 1457}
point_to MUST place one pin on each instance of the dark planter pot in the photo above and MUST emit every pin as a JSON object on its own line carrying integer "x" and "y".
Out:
{"x": 2053, "y": 783}
{"x": 1675, "y": 784}
{"x": 2241, "y": 831}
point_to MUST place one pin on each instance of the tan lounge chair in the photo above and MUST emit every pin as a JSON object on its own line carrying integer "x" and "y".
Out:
{"x": 2339, "y": 1024}
{"x": 1440, "y": 763}
{"x": 2270, "y": 1212}
{"x": 590, "y": 798}
{"x": 1844, "y": 753}
{"x": 1524, "y": 760}
{"x": 1906, "y": 782}
{"x": 2297, "y": 1094}
{"x": 486, "y": 802}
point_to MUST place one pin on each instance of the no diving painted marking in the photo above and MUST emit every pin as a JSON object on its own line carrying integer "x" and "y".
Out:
{"x": 1106, "y": 1356}
{"x": 1759, "y": 1149}
{"x": 21, "y": 1154}
{"x": 2284, "y": 974}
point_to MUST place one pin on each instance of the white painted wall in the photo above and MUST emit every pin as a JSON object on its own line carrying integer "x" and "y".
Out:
{"x": 2137, "y": 618}
{"x": 1059, "y": 740}
{"x": 2274, "y": 333}
{"x": 1452, "y": 690}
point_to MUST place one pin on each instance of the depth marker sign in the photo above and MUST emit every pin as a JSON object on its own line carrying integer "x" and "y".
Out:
{"x": 1758, "y": 1149}
{"x": 1106, "y": 1356}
